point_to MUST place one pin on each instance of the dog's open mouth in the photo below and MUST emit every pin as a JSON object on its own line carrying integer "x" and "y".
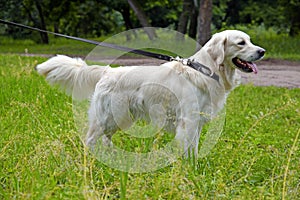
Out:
{"x": 245, "y": 66}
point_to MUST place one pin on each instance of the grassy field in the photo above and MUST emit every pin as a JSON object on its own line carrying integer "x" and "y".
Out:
{"x": 43, "y": 157}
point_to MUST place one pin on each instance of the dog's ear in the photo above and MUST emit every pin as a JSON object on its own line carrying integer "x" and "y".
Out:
{"x": 216, "y": 47}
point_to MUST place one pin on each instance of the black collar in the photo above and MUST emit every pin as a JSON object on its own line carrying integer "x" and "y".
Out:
{"x": 204, "y": 70}
{"x": 199, "y": 67}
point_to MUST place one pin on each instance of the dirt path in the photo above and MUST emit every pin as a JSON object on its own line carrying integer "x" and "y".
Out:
{"x": 275, "y": 72}
{"x": 272, "y": 72}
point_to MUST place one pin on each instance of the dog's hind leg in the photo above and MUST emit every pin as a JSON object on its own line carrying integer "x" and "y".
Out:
{"x": 93, "y": 134}
{"x": 101, "y": 125}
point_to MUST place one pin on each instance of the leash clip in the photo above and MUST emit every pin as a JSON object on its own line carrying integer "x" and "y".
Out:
{"x": 181, "y": 60}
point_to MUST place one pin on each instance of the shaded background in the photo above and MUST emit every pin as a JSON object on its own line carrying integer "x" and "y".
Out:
{"x": 197, "y": 18}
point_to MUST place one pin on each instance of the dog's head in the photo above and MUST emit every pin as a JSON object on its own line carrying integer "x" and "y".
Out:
{"x": 233, "y": 49}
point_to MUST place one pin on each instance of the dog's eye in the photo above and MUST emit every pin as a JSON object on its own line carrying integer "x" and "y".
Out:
{"x": 242, "y": 43}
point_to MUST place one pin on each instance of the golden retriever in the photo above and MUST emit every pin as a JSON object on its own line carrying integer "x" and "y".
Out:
{"x": 172, "y": 96}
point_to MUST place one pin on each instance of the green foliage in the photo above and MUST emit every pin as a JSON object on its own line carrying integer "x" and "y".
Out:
{"x": 43, "y": 157}
{"x": 79, "y": 18}
{"x": 163, "y": 13}
{"x": 281, "y": 15}
{"x": 90, "y": 18}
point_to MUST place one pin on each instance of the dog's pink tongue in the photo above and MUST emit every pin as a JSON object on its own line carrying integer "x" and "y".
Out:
{"x": 253, "y": 67}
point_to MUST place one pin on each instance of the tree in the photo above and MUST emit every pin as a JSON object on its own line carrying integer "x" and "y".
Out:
{"x": 204, "y": 21}
{"x": 193, "y": 21}
{"x": 187, "y": 17}
{"x": 44, "y": 36}
{"x": 283, "y": 15}
{"x": 35, "y": 12}
{"x": 122, "y": 6}
{"x": 292, "y": 14}
{"x": 138, "y": 10}
{"x": 184, "y": 18}
{"x": 10, "y": 10}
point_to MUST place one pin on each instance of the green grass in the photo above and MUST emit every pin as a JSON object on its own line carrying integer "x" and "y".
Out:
{"x": 56, "y": 46}
{"x": 279, "y": 46}
{"x": 43, "y": 157}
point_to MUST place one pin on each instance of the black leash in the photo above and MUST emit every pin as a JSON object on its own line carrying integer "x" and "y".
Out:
{"x": 193, "y": 64}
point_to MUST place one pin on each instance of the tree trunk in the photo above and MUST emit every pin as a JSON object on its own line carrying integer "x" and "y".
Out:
{"x": 184, "y": 19}
{"x": 204, "y": 21}
{"x": 295, "y": 25}
{"x": 44, "y": 36}
{"x": 138, "y": 10}
{"x": 193, "y": 23}
{"x": 126, "y": 17}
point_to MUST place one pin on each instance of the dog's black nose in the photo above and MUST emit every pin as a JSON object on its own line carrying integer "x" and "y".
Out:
{"x": 261, "y": 52}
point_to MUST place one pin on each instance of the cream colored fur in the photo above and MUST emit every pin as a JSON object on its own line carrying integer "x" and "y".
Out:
{"x": 171, "y": 96}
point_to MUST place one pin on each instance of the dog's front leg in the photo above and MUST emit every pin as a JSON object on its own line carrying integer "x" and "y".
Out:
{"x": 187, "y": 135}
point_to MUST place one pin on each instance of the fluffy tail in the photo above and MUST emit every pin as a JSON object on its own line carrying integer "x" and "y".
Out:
{"x": 72, "y": 75}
